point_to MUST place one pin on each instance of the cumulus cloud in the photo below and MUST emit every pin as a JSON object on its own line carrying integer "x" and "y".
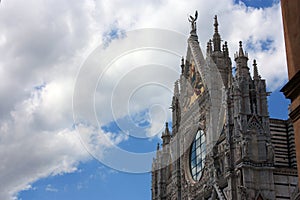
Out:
{"x": 262, "y": 34}
{"x": 29, "y": 152}
{"x": 43, "y": 44}
{"x": 31, "y": 149}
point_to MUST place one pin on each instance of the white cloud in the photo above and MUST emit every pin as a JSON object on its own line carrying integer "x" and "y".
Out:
{"x": 44, "y": 43}
{"x": 50, "y": 188}
{"x": 29, "y": 153}
{"x": 253, "y": 26}
{"x": 236, "y": 22}
{"x": 31, "y": 149}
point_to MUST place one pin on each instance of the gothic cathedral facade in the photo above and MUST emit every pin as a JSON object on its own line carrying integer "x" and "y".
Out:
{"x": 223, "y": 144}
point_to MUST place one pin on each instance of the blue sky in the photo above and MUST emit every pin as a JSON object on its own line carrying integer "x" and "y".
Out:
{"x": 257, "y": 3}
{"x": 93, "y": 181}
{"x": 41, "y": 53}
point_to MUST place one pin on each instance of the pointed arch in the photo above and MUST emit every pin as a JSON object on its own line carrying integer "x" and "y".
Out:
{"x": 259, "y": 197}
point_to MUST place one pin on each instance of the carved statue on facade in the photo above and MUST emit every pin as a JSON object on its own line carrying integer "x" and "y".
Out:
{"x": 238, "y": 150}
{"x": 243, "y": 192}
{"x": 245, "y": 148}
{"x": 227, "y": 156}
{"x": 193, "y": 20}
{"x": 270, "y": 151}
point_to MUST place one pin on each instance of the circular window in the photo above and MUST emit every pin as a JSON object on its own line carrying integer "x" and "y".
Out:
{"x": 197, "y": 155}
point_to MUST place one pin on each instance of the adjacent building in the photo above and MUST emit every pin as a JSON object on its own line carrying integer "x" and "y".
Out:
{"x": 291, "y": 23}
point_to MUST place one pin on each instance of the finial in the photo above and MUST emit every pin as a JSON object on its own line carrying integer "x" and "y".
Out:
{"x": 255, "y": 70}
{"x": 226, "y": 49}
{"x": 216, "y": 24}
{"x": 167, "y": 132}
{"x": 241, "y": 51}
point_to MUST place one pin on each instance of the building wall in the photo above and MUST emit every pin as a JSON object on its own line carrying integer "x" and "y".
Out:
{"x": 282, "y": 135}
{"x": 285, "y": 179}
{"x": 291, "y": 23}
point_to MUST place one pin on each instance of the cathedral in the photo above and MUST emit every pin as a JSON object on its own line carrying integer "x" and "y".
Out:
{"x": 223, "y": 144}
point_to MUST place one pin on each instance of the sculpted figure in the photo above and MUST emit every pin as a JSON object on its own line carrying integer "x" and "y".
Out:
{"x": 270, "y": 151}
{"x": 193, "y": 20}
{"x": 245, "y": 148}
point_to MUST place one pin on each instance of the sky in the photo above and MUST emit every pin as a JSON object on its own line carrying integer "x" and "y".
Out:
{"x": 84, "y": 99}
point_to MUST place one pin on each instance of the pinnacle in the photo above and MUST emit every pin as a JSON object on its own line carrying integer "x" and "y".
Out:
{"x": 216, "y": 24}
{"x": 255, "y": 70}
{"x": 167, "y": 132}
{"x": 241, "y": 51}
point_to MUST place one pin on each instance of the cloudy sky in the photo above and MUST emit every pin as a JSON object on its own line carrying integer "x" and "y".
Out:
{"x": 74, "y": 94}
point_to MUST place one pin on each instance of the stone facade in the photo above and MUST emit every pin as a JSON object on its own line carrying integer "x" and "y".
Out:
{"x": 223, "y": 145}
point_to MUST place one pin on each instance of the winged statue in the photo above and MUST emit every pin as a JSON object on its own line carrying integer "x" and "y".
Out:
{"x": 193, "y": 20}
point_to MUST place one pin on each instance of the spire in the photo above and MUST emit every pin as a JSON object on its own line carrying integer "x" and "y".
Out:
{"x": 241, "y": 59}
{"x": 216, "y": 24}
{"x": 241, "y": 52}
{"x": 166, "y": 136}
{"x": 216, "y": 37}
{"x": 157, "y": 147}
{"x": 167, "y": 132}
{"x": 255, "y": 71}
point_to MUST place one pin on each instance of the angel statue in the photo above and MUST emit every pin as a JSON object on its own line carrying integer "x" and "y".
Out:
{"x": 193, "y": 20}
